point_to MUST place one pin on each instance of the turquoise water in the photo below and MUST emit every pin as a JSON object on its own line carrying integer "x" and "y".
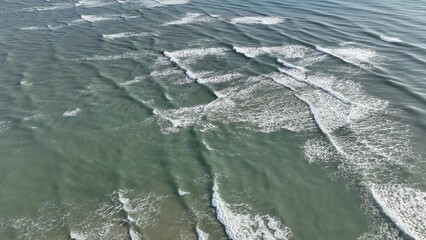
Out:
{"x": 195, "y": 119}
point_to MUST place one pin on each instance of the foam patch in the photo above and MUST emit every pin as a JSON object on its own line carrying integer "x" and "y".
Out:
{"x": 257, "y": 20}
{"x": 101, "y": 219}
{"x": 287, "y": 51}
{"x": 405, "y": 206}
{"x": 191, "y": 18}
{"x": 114, "y": 36}
{"x": 241, "y": 223}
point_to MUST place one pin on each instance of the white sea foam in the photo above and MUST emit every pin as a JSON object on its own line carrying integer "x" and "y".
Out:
{"x": 72, "y": 113}
{"x": 76, "y": 22}
{"x": 177, "y": 57}
{"x": 56, "y": 6}
{"x": 201, "y": 235}
{"x": 97, "y": 219}
{"x": 286, "y": 51}
{"x": 258, "y": 20}
{"x": 154, "y": 3}
{"x": 127, "y": 55}
{"x": 77, "y": 235}
{"x": 114, "y": 36}
{"x": 390, "y": 39}
{"x": 92, "y": 3}
{"x": 301, "y": 78}
{"x": 289, "y": 65}
{"x": 272, "y": 112}
{"x": 4, "y": 125}
{"x": 34, "y": 28}
{"x": 196, "y": 52}
{"x": 191, "y": 18}
{"x": 241, "y": 223}
{"x": 26, "y": 83}
{"x": 352, "y": 55}
{"x": 276, "y": 109}
{"x": 165, "y": 73}
{"x": 100, "y": 18}
{"x": 220, "y": 78}
{"x": 133, "y": 81}
{"x": 34, "y": 117}
{"x": 182, "y": 192}
{"x": 405, "y": 206}
{"x": 180, "y": 118}
{"x": 318, "y": 150}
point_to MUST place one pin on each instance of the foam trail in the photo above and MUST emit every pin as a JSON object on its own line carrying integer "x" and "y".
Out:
{"x": 328, "y": 91}
{"x": 390, "y": 39}
{"x": 246, "y": 226}
{"x": 201, "y": 235}
{"x": 405, "y": 206}
{"x": 257, "y": 20}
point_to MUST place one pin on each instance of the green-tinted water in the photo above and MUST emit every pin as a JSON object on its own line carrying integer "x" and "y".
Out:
{"x": 177, "y": 119}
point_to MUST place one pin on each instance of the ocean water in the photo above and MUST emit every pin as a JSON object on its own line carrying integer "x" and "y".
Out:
{"x": 212, "y": 119}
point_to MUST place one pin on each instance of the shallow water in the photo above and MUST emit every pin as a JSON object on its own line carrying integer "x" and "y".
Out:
{"x": 179, "y": 119}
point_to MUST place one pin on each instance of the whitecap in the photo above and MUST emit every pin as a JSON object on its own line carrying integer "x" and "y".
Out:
{"x": 26, "y": 83}
{"x": 127, "y": 55}
{"x": 92, "y": 3}
{"x": 241, "y": 223}
{"x": 201, "y": 235}
{"x": 258, "y": 20}
{"x": 352, "y": 55}
{"x": 133, "y": 81}
{"x": 56, "y": 6}
{"x": 182, "y": 192}
{"x": 390, "y": 39}
{"x": 72, "y": 113}
{"x": 114, "y": 36}
{"x": 99, "y": 18}
{"x": 286, "y": 51}
{"x": 191, "y": 18}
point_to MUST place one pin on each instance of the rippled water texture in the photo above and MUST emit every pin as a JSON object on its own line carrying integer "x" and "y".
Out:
{"x": 196, "y": 119}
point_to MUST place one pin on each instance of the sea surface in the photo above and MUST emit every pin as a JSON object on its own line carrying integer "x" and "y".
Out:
{"x": 212, "y": 119}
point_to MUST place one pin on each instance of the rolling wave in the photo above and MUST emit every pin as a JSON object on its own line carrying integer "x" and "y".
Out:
{"x": 257, "y": 20}
{"x": 358, "y": 57}
{"x": 242, "y": 225}
{"x": 390, "y": 39}
{"x": 121, "y": 35}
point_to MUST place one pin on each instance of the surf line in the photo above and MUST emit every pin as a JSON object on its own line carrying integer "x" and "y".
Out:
{"x": 326, "y": 51}
{"x": 316, "y": 86}
{"x": 130, "y": 222}
{"x": 390, "y": 213}
{"x": 190, "y": 75}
